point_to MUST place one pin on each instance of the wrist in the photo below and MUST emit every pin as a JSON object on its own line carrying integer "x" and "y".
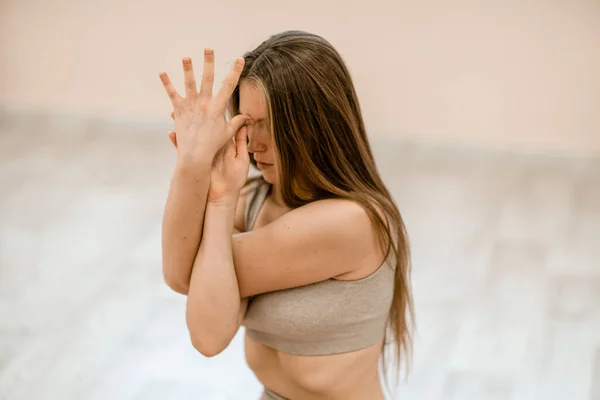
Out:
{"x": 219, "y": 215}
{"x": 226, "y": 203}
{"x": 194, "y": 162}
{"x": 202, "y": 155}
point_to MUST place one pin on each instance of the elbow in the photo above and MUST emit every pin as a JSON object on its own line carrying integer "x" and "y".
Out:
{"x": 176, "y": 284}
{"x": 178, "y": 287}
{"x": 208, "y": 336}
{"x": 207, "y": 348}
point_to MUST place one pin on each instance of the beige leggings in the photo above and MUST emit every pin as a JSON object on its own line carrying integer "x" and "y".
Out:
{"x": 269, "y": 395}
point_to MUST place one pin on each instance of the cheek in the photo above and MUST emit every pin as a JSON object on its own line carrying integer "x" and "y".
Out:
{"x": 270, "y": 175}
{"x": 270, "y": 147}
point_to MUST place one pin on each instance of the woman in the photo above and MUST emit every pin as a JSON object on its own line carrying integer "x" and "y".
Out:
{"x": 312, "y": 256}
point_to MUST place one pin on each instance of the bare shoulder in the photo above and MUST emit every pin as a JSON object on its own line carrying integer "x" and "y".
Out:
{"x": 337, "y": 214}
{"x": 324, "y": 239}
{"x": 341, "y": 226}
{"x": 347, "y": 217}
{"x": 346, "y": 225}
{"x": 353, "y": 221}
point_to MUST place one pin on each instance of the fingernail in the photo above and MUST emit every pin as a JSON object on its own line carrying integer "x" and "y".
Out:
{"x": 187, "y": 60}
{"x": 239, "y": 62}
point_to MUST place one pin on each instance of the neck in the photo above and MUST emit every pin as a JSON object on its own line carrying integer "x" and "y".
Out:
{"x": 276, "y": 195}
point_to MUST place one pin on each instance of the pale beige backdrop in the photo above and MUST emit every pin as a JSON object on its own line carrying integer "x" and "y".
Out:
{"x": 507, "y": 74}
{"x": 505, "y": 249}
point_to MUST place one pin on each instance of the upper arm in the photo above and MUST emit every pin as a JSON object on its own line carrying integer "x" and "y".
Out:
{"x": 318, "y": 241}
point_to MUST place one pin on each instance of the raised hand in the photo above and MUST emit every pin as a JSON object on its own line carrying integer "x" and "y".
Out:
{"x": 199, "y": 117}
{"x": 230, "y": 161}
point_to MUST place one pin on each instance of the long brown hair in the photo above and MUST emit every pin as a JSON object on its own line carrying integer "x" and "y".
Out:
{"x": 323, "y": 150}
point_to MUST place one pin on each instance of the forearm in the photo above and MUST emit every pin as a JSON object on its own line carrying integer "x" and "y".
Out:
{"x": 183, "y": 219}
{"x": 213, "y": 302}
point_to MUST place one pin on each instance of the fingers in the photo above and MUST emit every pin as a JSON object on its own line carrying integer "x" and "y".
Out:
{"x": 229, "y": 86}
{"x": 171, "y": 91}
{"x": 173, "y": 138}
{"x": 189, "y": 78}
{"x": 241, "y": 144}
{"x": 172, "y": 114}
{"x": 208, "y": 74}
{"x": 237, "y": 122}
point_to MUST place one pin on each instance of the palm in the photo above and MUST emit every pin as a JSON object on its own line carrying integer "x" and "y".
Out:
{"x": 230, "y": 170}
{"x": 230, "y": 167}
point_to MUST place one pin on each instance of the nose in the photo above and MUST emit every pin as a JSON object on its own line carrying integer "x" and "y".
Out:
{"x": 255, "y": 145}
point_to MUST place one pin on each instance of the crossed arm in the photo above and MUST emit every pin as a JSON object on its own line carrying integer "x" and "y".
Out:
{"x": 183, "y": 220}
{"x": 206, "y": 258}
{"x": 316, "y": 242}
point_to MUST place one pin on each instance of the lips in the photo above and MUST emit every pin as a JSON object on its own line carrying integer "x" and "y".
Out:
{"x": 262, "y": 165}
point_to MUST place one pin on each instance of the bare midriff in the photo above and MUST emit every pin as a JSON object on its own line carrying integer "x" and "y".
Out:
{"x": 346, "y": 376}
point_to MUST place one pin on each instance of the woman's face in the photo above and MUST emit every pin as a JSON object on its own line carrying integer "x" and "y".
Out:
{"x": 260, "y": 143}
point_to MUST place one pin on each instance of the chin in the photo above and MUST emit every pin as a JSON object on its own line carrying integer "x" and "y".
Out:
{"x": 269, "y": 176}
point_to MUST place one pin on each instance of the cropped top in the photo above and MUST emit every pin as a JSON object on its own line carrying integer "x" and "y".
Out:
{"x": 327, "y": 317}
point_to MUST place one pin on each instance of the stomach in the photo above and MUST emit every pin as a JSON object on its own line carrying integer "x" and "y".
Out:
{"x": 346, "y": 376}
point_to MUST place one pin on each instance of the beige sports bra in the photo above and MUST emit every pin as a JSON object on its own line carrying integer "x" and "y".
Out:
{"x": 328, "y": 317}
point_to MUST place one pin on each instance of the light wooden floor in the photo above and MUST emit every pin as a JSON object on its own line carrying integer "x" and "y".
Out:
{"x": 506, "y": 272}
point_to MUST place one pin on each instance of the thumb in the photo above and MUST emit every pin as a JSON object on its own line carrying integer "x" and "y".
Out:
{"x": 241, "y": 144}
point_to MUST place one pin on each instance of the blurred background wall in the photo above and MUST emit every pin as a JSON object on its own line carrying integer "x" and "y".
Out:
{"x": 502, "y": 74}
{"x": 466, "y": 102}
